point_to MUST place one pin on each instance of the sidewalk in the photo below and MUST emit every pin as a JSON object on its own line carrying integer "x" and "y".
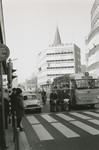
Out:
{"x": 24, "y": 145}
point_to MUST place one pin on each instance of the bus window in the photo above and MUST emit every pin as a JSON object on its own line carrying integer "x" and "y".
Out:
{"x": 85, "y": 84}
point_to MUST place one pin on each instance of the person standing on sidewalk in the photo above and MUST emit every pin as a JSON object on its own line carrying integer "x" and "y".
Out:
{"x": 12, "y": 100}
{"x": 20, "y": 112}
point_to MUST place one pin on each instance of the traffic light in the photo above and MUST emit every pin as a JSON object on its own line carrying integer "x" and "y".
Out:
{"x": 10, "y": 71}
{"x": 13, "y": 76}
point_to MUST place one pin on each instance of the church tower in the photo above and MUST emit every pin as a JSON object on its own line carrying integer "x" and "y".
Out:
{"x": 57, "y": 39}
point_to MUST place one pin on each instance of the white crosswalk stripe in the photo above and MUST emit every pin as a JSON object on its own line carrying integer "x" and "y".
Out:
{"x": 85, "y": 124}
{"x": 92, "y": 113}
{"x": 85, "y": 127}
{"x": 94, "y": 121}
{"x": 97, "y": 110}
{"x": 42, "y": 133}
{"x": 65, "y": 117}
{"x": 32, "y": 120}
{"x": 49, "y": 118}
{"x": 64, "y": 130}
{"x": 80, "y": 115}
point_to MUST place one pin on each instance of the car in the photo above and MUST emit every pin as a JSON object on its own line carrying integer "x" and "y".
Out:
{"x": 31, "y": 102}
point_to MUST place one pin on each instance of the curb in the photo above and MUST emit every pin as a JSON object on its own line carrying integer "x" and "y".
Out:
{"x": 24, "y": 142}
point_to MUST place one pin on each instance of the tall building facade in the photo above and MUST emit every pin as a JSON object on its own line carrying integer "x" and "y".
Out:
{"x": 2, "y": 35}
{"x": 92, "y": 41}
{"x": 58, "y": 59}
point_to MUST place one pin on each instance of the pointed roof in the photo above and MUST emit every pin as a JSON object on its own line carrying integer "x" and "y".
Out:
{"x": 57, "y": 39}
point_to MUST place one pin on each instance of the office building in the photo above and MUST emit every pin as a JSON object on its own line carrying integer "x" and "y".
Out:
{"x": 92, "y": 41}
{"x": 58, "y": 59}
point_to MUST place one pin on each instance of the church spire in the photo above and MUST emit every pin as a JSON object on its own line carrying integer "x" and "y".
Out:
{"x": 57, "y": 39}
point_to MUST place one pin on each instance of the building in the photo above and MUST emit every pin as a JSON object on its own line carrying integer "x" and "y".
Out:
{"x": 92, "y": 41}
{"x": 2, "y": 35}
{"x": 58, "y": 59}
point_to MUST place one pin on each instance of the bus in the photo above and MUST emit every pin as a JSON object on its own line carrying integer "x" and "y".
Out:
{"x": 83, "y": 88}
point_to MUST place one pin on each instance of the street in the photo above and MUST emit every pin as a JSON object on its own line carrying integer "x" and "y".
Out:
{"x": 74, "y": 130}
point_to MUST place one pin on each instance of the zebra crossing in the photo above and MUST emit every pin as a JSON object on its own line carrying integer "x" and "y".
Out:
{"x": 64, "y": 123}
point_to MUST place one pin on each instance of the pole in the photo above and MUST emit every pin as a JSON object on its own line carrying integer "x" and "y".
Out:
{"x": 3, "y": 115}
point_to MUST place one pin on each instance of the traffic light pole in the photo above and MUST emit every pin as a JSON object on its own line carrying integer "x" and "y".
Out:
{"x": 3, "y": 143}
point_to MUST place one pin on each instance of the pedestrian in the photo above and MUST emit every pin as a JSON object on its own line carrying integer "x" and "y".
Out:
{"x": 43, "y": 97}
{"x": 53, "y": 96}
{"x": 20, "y": 112}
{"x": 12, "y": 100}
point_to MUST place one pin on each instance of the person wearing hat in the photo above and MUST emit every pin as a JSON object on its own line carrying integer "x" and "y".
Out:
{"x": 20, "y": 112}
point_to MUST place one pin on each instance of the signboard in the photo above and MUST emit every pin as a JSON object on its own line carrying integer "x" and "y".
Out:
{"x": 4, "y": 79}
{"x": 4, "y": 52}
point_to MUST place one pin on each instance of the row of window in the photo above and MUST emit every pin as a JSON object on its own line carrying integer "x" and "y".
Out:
{"x": 59, "y": 53}
{"x": 60, "y": 67}
{"x": 55, "y": 74}
{"x": 60, "y": 60}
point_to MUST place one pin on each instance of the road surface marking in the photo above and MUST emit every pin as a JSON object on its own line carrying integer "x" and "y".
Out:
{"x": 64, "y": 130}
{"x": 97, "y": 110}
{"x": 42, "y": 133}
{"x": 49, "y": 118}
{"x": 92, "y": 113}
{"x": 65, "y": 117}
{"x": 32, "y": 120}
{"x": 85, "y": 127}
{"x": 80, "y": 115}
{"x": 94, "y": 121}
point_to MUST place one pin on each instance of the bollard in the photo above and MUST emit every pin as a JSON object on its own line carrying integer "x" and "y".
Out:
{"x": 14, "y": 126}
{"x": 18, "y": 139}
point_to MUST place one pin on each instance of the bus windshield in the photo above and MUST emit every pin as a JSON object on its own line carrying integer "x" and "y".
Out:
{"x": 87, "y": 83}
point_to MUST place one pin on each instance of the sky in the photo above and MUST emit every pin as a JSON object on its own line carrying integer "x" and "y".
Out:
{"x": 30, "y": 27}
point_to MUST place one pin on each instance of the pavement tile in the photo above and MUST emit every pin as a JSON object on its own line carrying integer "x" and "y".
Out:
{"x": 9, "y": 138}
{"x": 10, "y": 144}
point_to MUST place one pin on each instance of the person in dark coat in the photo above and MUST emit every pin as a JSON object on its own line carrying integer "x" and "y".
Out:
{"x": 53, "y": 96}
{"x": 20, "y": 112}
{"x": 12, "y": 100}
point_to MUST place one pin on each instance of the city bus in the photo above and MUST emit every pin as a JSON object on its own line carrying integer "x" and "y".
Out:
{"x": 83, "y": 88}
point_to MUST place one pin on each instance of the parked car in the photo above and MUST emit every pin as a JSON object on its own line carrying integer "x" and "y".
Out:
{"x": 31, "y": 102}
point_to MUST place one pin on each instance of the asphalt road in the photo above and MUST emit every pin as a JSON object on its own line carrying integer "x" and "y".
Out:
{"x": 77, "y": 129}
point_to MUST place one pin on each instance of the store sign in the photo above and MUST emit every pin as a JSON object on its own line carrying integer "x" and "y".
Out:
{"x": 4, "y": 78}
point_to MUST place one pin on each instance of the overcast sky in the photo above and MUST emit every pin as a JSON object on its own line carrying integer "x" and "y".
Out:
{"x": 30, "y": 28}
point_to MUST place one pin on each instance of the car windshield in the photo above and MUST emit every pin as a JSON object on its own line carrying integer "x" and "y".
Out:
{"x": 87, "y": 84}
{"x": 29, "y": 97}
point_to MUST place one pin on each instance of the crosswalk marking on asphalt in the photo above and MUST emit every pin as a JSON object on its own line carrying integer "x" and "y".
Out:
{"x": 92, "y": 113}
{"x": 97, "y": 110}
{"x": 49, "y": 118}
{"x": 94, "y": 121}
{"x": 42, "y": 133}
{"x": 32, "y": 120}
{"x": 64, "y": 130}
{"x": 80, "y": 115}
{"x": 65, "y": 117}
{"x": 85, "y": 127}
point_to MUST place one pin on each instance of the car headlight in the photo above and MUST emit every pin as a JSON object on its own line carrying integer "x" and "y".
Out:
{"x": 39, "y": 102}
{"x": 24, "y": 104}
{"x": 97, "y": 96}
{"x": 79, "y": 98}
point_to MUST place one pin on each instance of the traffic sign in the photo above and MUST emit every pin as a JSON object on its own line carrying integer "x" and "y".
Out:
{"x": 4, "y": 52}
